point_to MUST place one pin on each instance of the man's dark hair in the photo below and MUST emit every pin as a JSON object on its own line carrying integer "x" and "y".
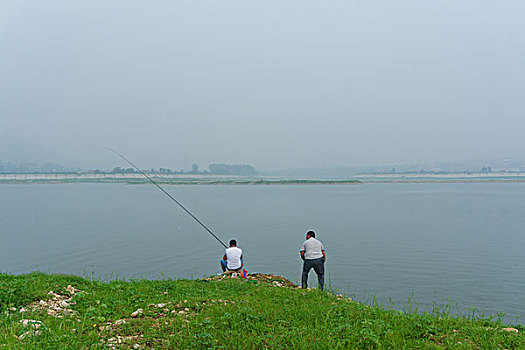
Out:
{"x": 311, "y": 234}
{"x": 233, "y": 242}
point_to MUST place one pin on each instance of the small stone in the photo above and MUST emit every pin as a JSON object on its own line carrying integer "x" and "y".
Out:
{"x": 13, "y": 309}
{"x": 71, "y": 289}
{"x": 33, "y": 322}
{"x": 136, "y": 313}
{"x": 64, "y": 304}
{"x": 510, "y": 330}
{"x": 160, "y": 305}
{"x": 23, "y": 335}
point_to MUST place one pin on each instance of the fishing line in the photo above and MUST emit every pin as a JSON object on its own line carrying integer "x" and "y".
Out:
{"x": 167, "y": 194}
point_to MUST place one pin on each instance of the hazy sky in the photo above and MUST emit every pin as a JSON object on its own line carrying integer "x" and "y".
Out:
{"x": 275, "y": 84}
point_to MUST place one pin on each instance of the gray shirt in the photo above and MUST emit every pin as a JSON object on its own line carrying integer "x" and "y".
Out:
{"x": 312, "y": 248}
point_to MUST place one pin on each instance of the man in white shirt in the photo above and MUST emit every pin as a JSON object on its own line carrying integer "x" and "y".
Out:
{"x": 232, "y": 259}
{"x": 313, "y": 255}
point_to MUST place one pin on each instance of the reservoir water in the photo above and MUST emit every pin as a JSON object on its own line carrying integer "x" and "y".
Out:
{"x": 457, "y": 243}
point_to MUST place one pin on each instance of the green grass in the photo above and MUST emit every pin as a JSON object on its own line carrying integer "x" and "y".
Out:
{"x": 250, "y": 316}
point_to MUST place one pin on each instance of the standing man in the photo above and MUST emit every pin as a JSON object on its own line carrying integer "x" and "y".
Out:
{"x": 232, "y": 259}
{"x": 313, "y": 255}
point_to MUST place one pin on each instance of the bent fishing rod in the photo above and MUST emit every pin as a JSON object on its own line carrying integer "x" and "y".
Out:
{"x": 167, "y": 194}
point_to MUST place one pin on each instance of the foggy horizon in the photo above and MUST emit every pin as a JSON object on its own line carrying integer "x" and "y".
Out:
{"x": 275, "y": 85}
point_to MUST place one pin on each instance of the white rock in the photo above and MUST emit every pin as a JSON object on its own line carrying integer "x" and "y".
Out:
{"x": 33, "y": 322}
{"x": 136, "y": 313}
{"x": 23, "y": 335}
{"x": 71, "y": 289}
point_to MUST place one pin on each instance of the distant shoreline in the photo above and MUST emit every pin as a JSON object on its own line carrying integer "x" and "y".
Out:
{"x": 257, "y": 182}
{"x": 185, "y": 182}
{"x": 196, "y": 179}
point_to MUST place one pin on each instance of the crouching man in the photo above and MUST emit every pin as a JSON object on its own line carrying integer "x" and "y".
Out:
{"x": 232, "y": 259}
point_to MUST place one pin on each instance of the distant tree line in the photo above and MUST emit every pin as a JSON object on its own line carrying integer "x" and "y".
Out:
{"x": 214, "y": 169}
{"x": 119, "y": 170}
{"x": 33, "y": 167}
{"x": 225, "y": 169}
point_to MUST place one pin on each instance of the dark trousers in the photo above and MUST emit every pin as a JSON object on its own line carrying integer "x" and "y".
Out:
{"x": 318, "y": 265}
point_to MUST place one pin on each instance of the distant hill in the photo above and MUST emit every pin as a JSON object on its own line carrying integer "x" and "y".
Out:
{"x": 22, "y": 155}
{"x": 32, "y": 167}
{"x": 473, "y": 165}
{"x": 226, "y": 169}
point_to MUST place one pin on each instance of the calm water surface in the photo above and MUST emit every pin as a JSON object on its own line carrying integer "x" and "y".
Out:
{"x": 463, "y": 242}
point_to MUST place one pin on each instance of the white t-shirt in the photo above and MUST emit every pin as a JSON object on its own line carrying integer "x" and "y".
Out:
{"x": 233, "y": 258}
{"x": 313, "y": 249}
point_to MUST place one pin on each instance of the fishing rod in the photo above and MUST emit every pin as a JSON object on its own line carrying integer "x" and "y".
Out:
{"x": 167, "y": 194}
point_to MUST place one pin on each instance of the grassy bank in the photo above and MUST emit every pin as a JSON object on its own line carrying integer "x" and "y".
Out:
{"x": 263, "y": 312}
